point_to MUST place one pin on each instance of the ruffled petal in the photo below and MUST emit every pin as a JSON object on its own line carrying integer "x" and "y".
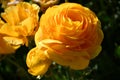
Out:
{"x": 77, "y": 61}
{"x": 8, "y": 30}
{"x": 59, "y": 53}
{"x": 94, "y": 51}
{"x": 6, "y": 48}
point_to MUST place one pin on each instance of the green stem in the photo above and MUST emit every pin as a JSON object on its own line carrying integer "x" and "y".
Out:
{"x": 13, "y": 62}
{"x": 19, "y": 67}
{"x": 2, "y": 57}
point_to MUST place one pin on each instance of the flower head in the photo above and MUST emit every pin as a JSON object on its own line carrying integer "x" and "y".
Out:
{"x": 21, "y": 21}
{"x": 69, "y": 34}
{"x": 6, "y": 3}
{"x": 44, "y": 4}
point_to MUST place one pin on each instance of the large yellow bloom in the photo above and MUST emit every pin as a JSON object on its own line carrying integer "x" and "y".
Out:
{"x": 21, "y": 21}
{"x": 69, "y": 34}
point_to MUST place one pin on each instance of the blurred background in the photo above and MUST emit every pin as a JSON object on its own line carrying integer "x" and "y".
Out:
{"x": 106, "y": 66}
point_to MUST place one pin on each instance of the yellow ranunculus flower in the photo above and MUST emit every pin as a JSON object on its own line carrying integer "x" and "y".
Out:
{"x": 21, "y": 21}
{"x": 6, "y": 3}
{"x": 69, "y": 34}
{"x": 44, "y": 4}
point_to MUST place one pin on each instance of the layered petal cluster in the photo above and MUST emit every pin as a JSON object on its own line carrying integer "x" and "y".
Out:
{"x": 69, "y": 34}
{"x": 17, "y": 23}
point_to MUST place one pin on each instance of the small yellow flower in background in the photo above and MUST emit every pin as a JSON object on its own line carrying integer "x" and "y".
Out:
{"x": 21, "y": 21}
{"x": 69, "y": 34}
{"x": 44, "y": 4}
{"x": 6, "y": 3}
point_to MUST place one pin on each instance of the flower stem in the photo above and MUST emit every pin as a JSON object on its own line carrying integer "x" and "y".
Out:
{"x": 12, "y": 62}
{"x": 21, "y": 69}
{"x": 2, "y": 57}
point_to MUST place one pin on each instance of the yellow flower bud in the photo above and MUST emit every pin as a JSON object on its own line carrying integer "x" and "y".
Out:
{"x": 37, "y": 62}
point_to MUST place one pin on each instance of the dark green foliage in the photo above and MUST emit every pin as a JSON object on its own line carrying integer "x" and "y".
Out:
{"x": 104, "y": 67}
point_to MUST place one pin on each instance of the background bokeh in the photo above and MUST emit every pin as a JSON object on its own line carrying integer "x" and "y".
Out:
{"x": 106, "y": 66}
